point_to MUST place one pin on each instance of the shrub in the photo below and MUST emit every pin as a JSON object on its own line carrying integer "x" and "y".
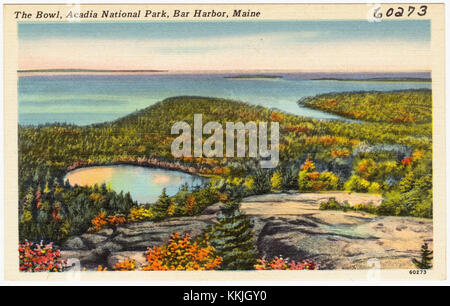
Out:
{"x": 371, "y": 209}
{"x": 340, "y": 153}
{"x": 182, "y": 254}
{"x": 329, "y": 180}
{"x": 249, "y": 183}
{"x": 125, "y": 265}
{"x": 374, "y": 187}
{"x": 308, "y": 165}
{"x": 304, "y": 184}
{"x": 38, "y": 257}
{"x": 276, "y": 181}
{"x": 279, "y": 263}
{"x": 332, "y": 204}
{"x": 101, "y": 221}
{"x": 140, "y": 214}
{"x": 356, "y": 183}
{"x": 262, "y": 181}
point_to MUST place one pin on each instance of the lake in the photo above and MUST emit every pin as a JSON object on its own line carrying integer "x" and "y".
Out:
{"x": 87, "y": 99}
{"x": 144, "y": 184}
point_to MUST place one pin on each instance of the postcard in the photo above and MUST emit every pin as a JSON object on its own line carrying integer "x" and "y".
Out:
{"x": 207, "y": 142}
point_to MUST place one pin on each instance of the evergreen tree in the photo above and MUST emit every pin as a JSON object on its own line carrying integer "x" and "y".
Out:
{"x": 276, "y": 181}
{"x": 233, "y": 238}
{"x": 407, "y": 183}
{"x": 426, "y": 258}
{"x": 261, "y": 181}
{"x": 160, "y": 208}
{"x": 27, "y": 226}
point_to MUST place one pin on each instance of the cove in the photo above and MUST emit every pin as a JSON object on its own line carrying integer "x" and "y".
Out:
{"x": 144, "y": 184}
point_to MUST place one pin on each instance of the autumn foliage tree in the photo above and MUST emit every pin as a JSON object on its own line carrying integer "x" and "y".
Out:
{"x": 304, "y": 176}
{"x": 101, "y": 220}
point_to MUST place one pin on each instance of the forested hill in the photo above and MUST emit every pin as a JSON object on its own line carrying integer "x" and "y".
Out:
{"x": 410, "y": 106}
{"x": 147, "y": 133}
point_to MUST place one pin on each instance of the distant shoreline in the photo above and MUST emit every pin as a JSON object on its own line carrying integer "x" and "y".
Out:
{"x": 376, "y": 80}
{"x": 38, "y": 72}
{"x": 254, "y": 77}
{"x": 240, "y": 74}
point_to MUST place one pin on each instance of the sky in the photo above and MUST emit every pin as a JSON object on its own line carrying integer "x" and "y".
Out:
{"x": 344, "y": 46}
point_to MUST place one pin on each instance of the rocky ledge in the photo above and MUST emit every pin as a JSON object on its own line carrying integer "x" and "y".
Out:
{"x": 290, "y": 225}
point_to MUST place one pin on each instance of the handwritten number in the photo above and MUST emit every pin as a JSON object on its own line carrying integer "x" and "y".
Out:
{"x": 377, "y": 14}
{"x": 389, "y": 12}
{"x": 400, "y": 12}
{"x": 423, "y": 10}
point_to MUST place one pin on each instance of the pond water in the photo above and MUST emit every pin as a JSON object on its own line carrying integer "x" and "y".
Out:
{"x": 144, "y": 184}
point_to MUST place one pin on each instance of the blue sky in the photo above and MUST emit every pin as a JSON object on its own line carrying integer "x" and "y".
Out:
{"x": 410, "y": 30}
{"x": 192, "y": 40}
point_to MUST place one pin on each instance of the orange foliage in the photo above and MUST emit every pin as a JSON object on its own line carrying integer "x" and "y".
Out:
{"x": 182, "y": 254}
{"x": 407, "y": 161}
{"x": 403, "y": 117}
{"x": 331, "y": 103}
{"x": 313, "y": 175}
{"x": 101, "y": 220}
{"x": 362, "y": 167}
{"x": 101, "y": 268}
{"x": 190, "y": 203}
{"x": 223, "y": 197}
{"x": 38, "y": 199}
{"x": 340, "y": 153}
{"x": 125, "y": 265}
{"x": 276, "y": 117}
{"x": 116, "y": 220}
{"x": 55, "y": 212}
{"x": 188, "y": 159}
{"x": 220, "y": 170}
{"x": 308, "y": 165}
{"x": 317, "y": 185}
{"x": 297, "y": 128}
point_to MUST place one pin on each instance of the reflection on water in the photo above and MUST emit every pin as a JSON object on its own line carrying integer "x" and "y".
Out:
{"x": 144, "y": 184}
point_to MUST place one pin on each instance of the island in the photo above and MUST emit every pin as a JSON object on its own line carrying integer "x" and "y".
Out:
{"x": 254, "y": 77}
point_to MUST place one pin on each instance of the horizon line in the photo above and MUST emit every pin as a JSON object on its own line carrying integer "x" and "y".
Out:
{"x": 68, "y": 70}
